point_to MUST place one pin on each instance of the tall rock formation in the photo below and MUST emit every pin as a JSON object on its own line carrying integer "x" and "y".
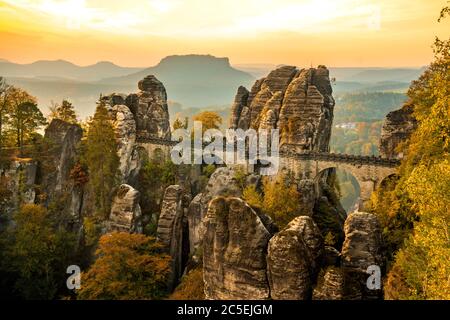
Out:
{"x": 195, "y": 222}
{"x": 19, "y": 178}
{"x": 125, "y": 211}
{"x": 297, "y": 102}
{"x": 125, "y": 126}
{"x": 330, "y": 285}
{"x": 172, "y": 226}
{"x": 138, "y": 117}
{"x": 293, "y": 258}
{"x": 234, "y": 251}
{"x": 149, "y": 108}
{"x": 397, "y": 128}
{"x": 361, "y": 249}
{"x": 63, "y": 139}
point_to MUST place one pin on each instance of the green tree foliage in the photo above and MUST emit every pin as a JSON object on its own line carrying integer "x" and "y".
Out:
{"x": 419, "y": 202}
{"x": 154, "y": 177}
{"x": 20, "y": 115}
{"x": 37, "y": 254}
{"x": 365, "y": 111}
{"x": 362, "y": 140}
{"x": 366, "y": 106}
{"x": 128, "y": 266}
{"x": 102, "y": 159}
{"x": 279, "y": 200}
{"x": 64, "y": 111}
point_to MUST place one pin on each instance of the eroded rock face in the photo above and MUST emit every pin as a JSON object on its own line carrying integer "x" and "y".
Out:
{"x": 221, "y": 183}
{"x": 397, "y": 128}
{"x": 234, "y": 251}
{"x": 137, "y": 117}
{"x": 171, "y": 228}
{"x": 148, "y": 107}
{"x": 292, "y": 259}
{"x": 236, "y": 109}
{"x": 63, "y": 138}
{"x": 20, "y": 180}
{"x": 361, "y": 249}
{"x": 297, "y": 102}
{"x": 195, "y": 221}
{"x": 330, "y": 285}
{"x": 150, "y": 110}
{"x": 308, "y": 196}
{"x": 125, "y": 211}
{"x": 125, "y": 126}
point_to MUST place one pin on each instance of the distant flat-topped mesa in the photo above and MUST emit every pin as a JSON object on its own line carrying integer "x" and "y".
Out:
{"x": 149, "y": 108}
{"x": 297, "y": 102}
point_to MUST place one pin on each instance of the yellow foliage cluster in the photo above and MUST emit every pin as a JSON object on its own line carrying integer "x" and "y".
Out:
{"x": 424, "y": 261}
{"x": 191, "y": 286}
{"x": 279, "y": 200}
{"x": 128, "y": 267}
{"x": 421, "y": 267}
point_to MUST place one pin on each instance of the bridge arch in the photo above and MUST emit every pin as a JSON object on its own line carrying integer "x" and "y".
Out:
{"x": 387, "y": 179}
{"x": 348, "y": 184}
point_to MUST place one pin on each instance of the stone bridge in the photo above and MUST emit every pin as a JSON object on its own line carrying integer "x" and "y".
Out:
{"x": 369, "y": 171}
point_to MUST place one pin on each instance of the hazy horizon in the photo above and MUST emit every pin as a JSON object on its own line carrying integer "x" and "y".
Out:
{"x": 235, "y": 65}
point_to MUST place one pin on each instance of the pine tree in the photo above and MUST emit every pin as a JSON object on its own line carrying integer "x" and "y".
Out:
{"x": 64, "y": 111}
{"x": 102, "y": 159}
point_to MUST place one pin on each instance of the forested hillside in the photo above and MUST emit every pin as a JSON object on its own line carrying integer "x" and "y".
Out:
{"x": 414, "y": 208}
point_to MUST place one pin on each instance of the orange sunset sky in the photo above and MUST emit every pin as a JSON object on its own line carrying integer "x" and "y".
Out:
{"x": 300, "y": 32}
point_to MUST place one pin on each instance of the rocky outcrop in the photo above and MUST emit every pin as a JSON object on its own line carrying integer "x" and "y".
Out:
{"x": 63, "y": 139}
{"x": 361, "y": 249}
{"x": 221, "y": 183}
{"x": 148, "y": 106}
{"x": 125, "y": 126}
{"x": 297, "y": 102}
{"x": 397, "y": 128}
{"x": 292, "y": 259}
{"x": 125, "y": 211}
{"x": 239, "y": 103}
{"x": 308, "y": 195}
{"x": 330, "y": 285}
{"x": 150, "y": 110}
{"x": 172, "y": 225}
{"x": 137, "y": 117}
{"x": 19, "y": 178}
{"x": 195, "y": 221}
{"x": 234, "y": 251}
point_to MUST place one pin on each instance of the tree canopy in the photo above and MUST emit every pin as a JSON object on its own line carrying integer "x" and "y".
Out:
{"x": 128, "y": 266}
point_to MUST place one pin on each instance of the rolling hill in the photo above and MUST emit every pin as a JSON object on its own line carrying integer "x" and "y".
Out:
{"x": 64, "y": 69}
